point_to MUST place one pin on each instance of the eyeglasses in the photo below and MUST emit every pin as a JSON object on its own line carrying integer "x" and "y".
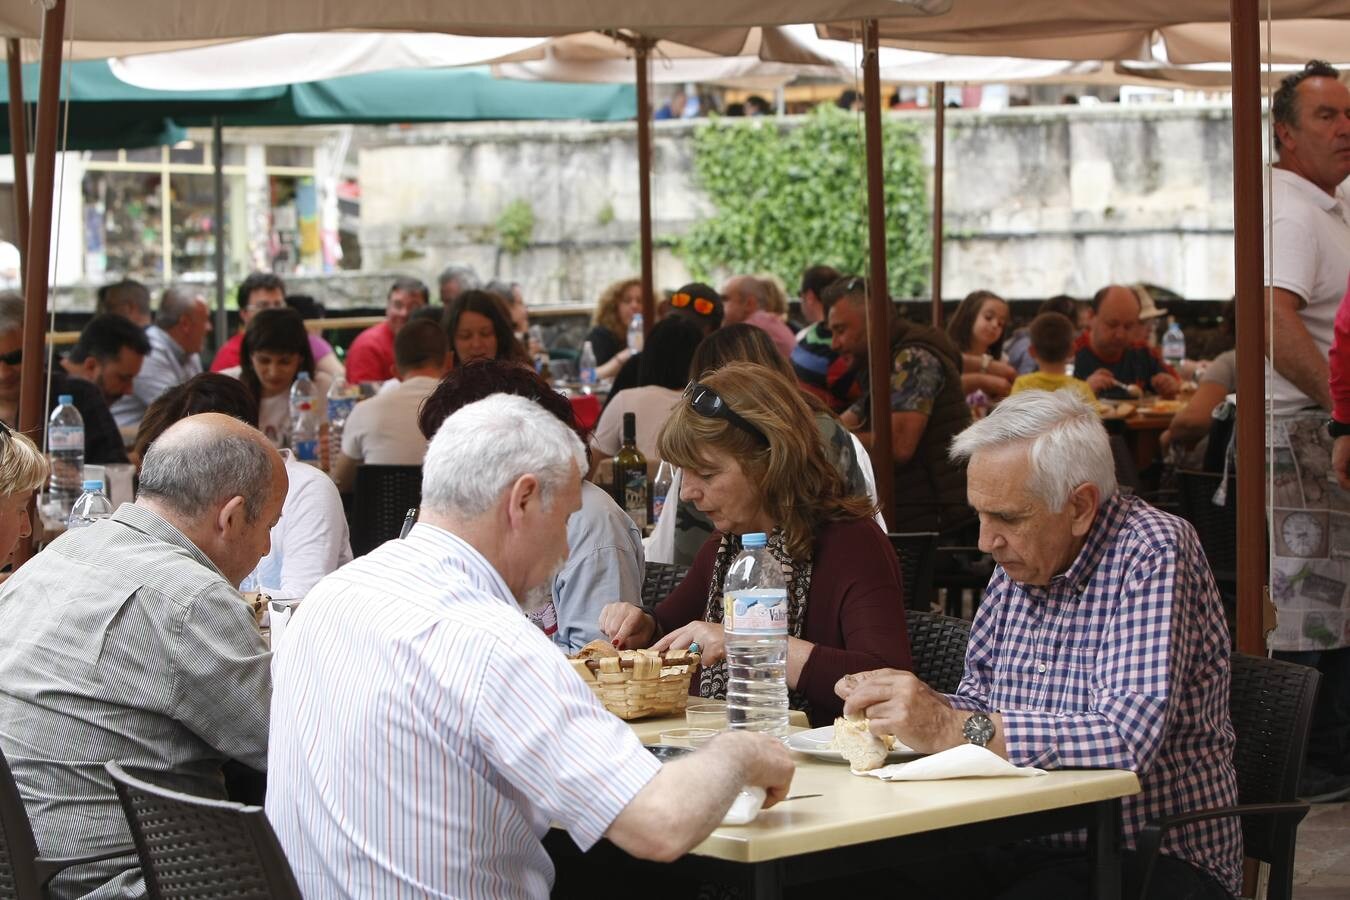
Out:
{"x": 12, "y": 358}
{"x": 702, "y": 305}
{"x": 706, "y": 402}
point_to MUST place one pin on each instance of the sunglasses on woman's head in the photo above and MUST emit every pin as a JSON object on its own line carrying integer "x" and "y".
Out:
{"x": 702, "y": 305}
{"x": 708, "y": 404}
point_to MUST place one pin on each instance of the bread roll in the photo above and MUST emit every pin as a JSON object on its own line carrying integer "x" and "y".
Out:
{"x": 863, "y": 749}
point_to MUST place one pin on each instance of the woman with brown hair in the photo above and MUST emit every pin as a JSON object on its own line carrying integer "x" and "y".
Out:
{"x": 613, "y": 314}
{"x": 753, "y": 461}
{"x": 479, "y": 327}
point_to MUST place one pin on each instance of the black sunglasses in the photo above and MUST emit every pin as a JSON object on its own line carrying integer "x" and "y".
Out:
{"x": 12, "y": 358}
{"x": 706, "y": 402}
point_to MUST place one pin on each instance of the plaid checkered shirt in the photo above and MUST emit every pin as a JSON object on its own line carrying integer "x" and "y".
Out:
{"x": 1121, "y": 662}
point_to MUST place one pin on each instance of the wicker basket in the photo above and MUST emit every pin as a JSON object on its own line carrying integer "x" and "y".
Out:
{"x": 640, "y": 683}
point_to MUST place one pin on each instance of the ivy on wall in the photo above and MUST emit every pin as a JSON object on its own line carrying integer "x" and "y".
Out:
{"x": 790, "y": 197}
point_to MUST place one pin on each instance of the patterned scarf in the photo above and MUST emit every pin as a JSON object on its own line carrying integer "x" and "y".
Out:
{"x": 712, "y": 680}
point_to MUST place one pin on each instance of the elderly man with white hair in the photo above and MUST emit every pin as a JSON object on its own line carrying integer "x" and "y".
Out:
{"x": 1101, "y": 643}
{"x": 427, "y": 733}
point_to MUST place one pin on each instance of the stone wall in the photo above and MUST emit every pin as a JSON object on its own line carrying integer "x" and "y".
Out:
{"x": 1038, "y": 201}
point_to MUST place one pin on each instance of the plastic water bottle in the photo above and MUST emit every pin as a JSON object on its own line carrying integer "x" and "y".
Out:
{"x": 665, "y": 474}
{"x": 65, "y": 449}
{"x": 755, "y": 617}
{"x": 635, "y": 334}
{"x": 1174, "y": 345}
{"x": 92, "y": 507}
{"x": 342, "y": 398}
{"x": 586, "y": 365}
{"x": 304, "y": 420}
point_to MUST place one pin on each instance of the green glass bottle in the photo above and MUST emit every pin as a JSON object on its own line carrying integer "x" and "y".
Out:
{"x": 630, "y": 475}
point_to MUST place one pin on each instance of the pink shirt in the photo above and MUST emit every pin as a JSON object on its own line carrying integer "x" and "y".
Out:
{"x": 371, "y": 355}
{"x": 227, "y": 356}
{"x": 1338, "y": 362}
{"x": 780, "y": 334}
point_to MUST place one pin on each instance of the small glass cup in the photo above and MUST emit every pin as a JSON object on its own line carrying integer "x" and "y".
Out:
{"x": 706, "y": 714}
{"x": 688, "y": 737}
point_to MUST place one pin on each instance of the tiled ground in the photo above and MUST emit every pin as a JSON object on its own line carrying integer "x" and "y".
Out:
{"x": 1322, "y": 862}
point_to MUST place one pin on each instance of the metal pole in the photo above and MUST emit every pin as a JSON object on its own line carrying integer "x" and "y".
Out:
{"x": 641, "y": 48}
{"x": 878, "y": 299}
{"x": 939, "y": 152}
{"x": 218, "y": 163}
{"x": 1250, "y": 319}
{"x": 18, "y": 147}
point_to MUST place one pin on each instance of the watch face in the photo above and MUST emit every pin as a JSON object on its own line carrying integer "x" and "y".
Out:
{"x": 979, "y": 729}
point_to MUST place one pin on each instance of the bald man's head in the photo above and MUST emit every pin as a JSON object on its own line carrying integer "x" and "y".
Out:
{"x": 202, "y": 461}
{"x": 1116, "y": 314}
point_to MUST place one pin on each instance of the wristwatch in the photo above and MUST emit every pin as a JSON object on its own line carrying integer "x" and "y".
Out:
{"x": 1338, "y": 429}
{"x": 984, "y": 362}
{"x": 979, "y": 729}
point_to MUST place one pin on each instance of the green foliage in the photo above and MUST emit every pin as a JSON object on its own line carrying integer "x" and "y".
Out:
{"x": 515, "y": 226}
{"x": 788, "y": 198}
{"x": 605, "y": 215}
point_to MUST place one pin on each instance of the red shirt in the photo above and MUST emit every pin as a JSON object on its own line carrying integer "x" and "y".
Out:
{"x": 371, "y": 355}
{"x": 855, "y": 609}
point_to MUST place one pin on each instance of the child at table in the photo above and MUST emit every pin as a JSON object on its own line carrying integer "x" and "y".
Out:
{"x": 1051, "y": 344}
{"x": 274, "y": 352}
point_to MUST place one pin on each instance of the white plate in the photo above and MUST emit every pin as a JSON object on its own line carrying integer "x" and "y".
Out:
{"x": 817, "y": 741}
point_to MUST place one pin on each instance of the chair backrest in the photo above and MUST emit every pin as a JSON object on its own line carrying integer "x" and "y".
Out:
{"x": 658, "y": 580}
{"x": 1215, "y": 525}
{"x": 198, "y": 849}
{"x": 18, "y": 847}
{"x": 937, "y": 647}
{"x": 381, "y": 499}
{"x": 1271, "y": 704}
{"x": 917, "y": 553}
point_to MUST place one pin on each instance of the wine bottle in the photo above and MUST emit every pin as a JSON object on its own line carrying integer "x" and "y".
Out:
{"x": 630, "y": 475}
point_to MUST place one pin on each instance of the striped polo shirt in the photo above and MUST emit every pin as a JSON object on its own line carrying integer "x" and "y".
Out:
{"x": 426, "y": 734}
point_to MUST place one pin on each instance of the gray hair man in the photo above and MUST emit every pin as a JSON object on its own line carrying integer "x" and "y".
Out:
{"x": 127, "y": 641}
{"x": 1100, "y": 643}
{"x": 745, "y": 298}
{"x": 455, "y": 280}
{"x": 176, "y": 337}
{"x": 462, "y": 706}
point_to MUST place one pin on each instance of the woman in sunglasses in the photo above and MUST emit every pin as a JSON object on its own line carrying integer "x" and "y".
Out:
{"x": 753, "y": 461}
{"x": 23, "y": 469}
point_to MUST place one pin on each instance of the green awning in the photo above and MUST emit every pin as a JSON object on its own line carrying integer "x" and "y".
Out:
{"x": 107, "y": 112}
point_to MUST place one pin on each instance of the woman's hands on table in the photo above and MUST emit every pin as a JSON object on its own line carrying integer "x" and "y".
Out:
{"x": 627, "y": 626}
{"x": 711, "y": 639}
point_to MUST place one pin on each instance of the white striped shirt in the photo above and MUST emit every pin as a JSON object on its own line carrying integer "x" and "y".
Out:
{"x": 425, "y": 734}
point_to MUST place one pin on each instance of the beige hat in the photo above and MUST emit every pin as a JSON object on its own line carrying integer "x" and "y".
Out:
{"x": 1147, "y": 308}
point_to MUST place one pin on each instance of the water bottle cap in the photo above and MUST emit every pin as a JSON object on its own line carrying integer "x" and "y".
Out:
{"x": 302, "y": 375}
{"x": 754, "y": 539}
{"x": 65, "y": 400}
{"x": 93, "y": 484}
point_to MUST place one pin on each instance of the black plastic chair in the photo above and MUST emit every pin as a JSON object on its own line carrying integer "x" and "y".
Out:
{"x": 658, "y": 580}
{"x": 192, "y": 848}
{"x": 1215, "y": 525}
{"x": 380, "y": 501}
{"x": 937, "y": 648}
{"x": 1271, "y": 704}
{"x": 917, "y": 553}
{"x": 24, "y": 874}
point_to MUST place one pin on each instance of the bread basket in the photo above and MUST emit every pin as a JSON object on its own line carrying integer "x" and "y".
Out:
{"x": 638, "y": 683}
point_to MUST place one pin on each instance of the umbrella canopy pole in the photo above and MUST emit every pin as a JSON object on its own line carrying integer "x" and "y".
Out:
{"x": 878, "y": 298}
{"x": 18, "y": 145}
{"x": 642, "y": 48}
{"x": 37, "y": 261}
{"x": 939, "y": 152}
{"x": 218, "y": 173}
{"x": 1248, "y": 257}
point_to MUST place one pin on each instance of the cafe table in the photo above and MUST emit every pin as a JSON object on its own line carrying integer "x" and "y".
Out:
{"x": 845, "y": 823}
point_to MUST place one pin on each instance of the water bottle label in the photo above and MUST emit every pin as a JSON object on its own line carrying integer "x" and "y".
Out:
{"x": 65, "y": 437}
{"x": 756, "y": 611}
{"x": 588, "y": 375}
{"x": 339, "y": 410}
{"x": 658, "y": 504}
{"x": 306, "y": 449}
